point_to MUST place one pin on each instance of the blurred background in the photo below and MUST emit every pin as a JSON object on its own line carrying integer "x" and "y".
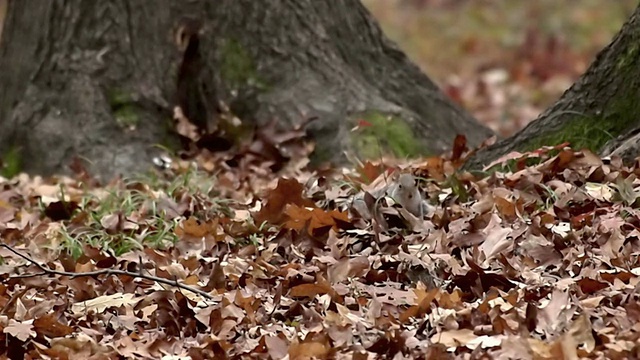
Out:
{"x": 504, "y": 60}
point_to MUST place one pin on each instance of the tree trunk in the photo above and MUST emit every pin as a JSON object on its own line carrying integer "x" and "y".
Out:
{"x": 600, "y": 111}
{"x": 99, "y": 79}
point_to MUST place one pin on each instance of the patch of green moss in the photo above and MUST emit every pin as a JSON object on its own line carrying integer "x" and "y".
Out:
{"x": 591, "y": 131}
{"x": 580, "y": 132}
{"x": 126, "y": 116}
{"x": 628, "y": 58}
{"x": 169, "y": 142}
{"x": 121, "y": 105}
{"x": 238, "y": 68}
{"x": 117, "y": 98}
{"x": 11, "y": 163}
{"x": 385, "y": 134}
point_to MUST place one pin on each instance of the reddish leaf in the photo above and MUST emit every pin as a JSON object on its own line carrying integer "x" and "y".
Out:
{"x": 288, "y": 191}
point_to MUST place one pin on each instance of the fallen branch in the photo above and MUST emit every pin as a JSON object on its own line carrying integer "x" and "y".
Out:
{"x": 107, "y": 272}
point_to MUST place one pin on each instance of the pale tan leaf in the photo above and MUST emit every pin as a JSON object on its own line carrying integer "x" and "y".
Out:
{"x": 103, "y": 302}
{"x": 21, "y": 330}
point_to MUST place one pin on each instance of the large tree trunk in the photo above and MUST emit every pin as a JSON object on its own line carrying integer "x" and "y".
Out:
{"x": 99, "y": 79}
{"x": 601, "y": 111}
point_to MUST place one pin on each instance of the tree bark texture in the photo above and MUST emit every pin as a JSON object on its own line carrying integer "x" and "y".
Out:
{"x": 99, "y": 79}
{"x": 601, "y": 111}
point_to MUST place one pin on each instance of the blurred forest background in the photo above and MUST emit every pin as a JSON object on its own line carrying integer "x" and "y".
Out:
{"x": 503, "y": 60}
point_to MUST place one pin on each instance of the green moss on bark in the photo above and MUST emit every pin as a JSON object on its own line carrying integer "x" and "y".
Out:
{"x": 591, "y": 131}
{"x": 581, "y": 132}
{"x": 122, "y": 107}
{"x": 628, "y": 58}
{"x": 11, "y": 163}
{"x": 384, "y": 134}
{"x": 238, "y": 68}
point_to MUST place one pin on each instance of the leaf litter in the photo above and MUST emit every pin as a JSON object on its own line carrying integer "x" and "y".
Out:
{"x": 527, "y": 262}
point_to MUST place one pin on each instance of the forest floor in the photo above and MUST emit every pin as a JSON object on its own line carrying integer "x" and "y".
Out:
{"x": 250, "y": 254}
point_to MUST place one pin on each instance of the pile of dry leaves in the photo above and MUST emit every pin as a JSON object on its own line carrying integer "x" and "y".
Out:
{"x": 528, "y": 262}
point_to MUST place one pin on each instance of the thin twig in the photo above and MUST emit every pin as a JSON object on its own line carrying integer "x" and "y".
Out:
{"x": 103, "y": 272}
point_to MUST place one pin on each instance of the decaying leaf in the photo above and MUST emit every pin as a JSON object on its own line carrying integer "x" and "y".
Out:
{"x": 101, "y": 303}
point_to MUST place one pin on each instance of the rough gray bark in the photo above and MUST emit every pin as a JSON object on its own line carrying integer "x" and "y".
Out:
{"x": 63, "y": 63}
{"x": 78, "y": 66}
{"x": 600, "y": 111}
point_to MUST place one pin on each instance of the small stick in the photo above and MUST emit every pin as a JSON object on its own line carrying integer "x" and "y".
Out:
{"x": 103, "y": 272}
